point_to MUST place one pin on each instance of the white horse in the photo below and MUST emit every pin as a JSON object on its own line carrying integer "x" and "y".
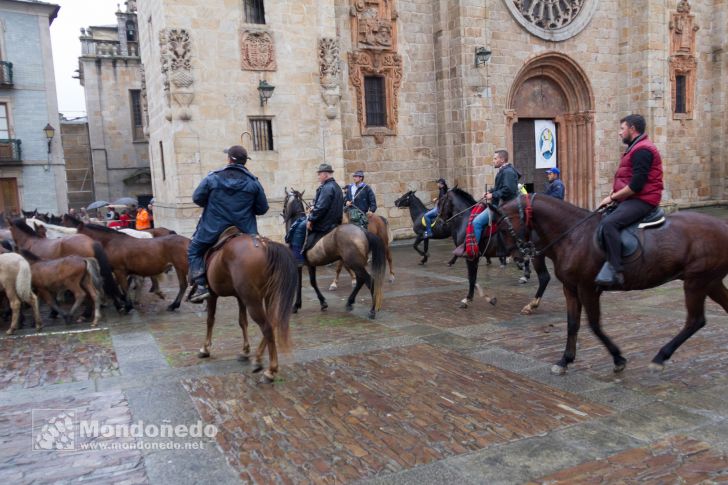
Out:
{"x": 15, "y": 279}
{"x": 136, "y": 234}
{"x": 52, "y": 231}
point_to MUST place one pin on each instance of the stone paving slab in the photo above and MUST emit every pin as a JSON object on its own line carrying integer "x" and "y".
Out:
{"x": 309, "y": 329}
{"x": 344, "y": 418}
{"x": 20, "y": 463}
{"x": 52, "y": 358}
{"x": 678, "y": 459}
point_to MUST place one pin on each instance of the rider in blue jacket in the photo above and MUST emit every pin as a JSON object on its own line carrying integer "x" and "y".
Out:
{"x": 231, "y": 196}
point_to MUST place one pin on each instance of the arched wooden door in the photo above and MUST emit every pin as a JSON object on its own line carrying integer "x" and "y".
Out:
{"x": 552, "y": 86}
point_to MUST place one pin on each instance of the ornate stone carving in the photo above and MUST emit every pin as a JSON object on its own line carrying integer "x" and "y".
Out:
{"x": 374, "y": 25}
{"x": 257, "y": 51}
{"x": 552, "y": 19}
{"x": 329, "y": 72}
{"x": 385, "y": 64}
{"x": 683, "y": 59}
{"x": 176, "y": 64}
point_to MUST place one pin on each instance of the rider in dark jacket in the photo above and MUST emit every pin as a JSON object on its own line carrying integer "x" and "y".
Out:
{"x": 231, "y": 196}
{"x": 328, "y": 204}
{"x": 360, "y": 194}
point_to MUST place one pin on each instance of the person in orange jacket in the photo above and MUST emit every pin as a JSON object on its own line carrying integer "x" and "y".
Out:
{"x": 142, "y": 219}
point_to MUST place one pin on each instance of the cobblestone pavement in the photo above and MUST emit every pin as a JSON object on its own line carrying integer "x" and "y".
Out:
{"x": 426, "y": 393}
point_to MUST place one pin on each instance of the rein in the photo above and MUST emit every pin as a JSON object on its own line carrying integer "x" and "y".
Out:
{"x": 463, "y": 211}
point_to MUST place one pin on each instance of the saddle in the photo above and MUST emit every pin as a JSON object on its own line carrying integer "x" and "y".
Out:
{"x": 228, "y": 234}
{"x": 631, "y": 241}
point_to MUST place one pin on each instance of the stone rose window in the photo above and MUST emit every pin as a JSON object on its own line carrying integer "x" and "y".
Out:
{"x": 552, "y": 19}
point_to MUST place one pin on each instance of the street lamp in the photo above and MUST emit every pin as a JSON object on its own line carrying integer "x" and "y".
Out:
{"x": 265, "y": 91}
{"x": 49, "y": 133}
{"x": 482, "y": 55}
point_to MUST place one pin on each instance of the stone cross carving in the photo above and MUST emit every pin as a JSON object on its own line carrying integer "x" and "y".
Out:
{"x": 258, "y": 51}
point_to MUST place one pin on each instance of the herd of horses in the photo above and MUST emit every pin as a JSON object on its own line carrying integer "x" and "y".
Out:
{"x": 264, "y": 277}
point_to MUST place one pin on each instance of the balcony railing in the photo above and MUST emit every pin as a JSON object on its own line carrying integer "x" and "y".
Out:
{"x": 6, "y": 74}
{"x": 10, "y": 151}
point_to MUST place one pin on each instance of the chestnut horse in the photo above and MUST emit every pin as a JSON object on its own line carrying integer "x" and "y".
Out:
{"x": 80, "y": 276}
{"x": 73, "y": 245}
{"x": 689, "y": 247}
{"x": 347, "y": 243}
{"x": 261, "y": 275}
{"x": 141, "y": 257}
{"x": 377, "y": 225}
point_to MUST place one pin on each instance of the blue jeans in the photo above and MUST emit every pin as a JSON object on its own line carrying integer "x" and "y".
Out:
{"x": 429, "y": 216}
{"x": 480, "y": 221}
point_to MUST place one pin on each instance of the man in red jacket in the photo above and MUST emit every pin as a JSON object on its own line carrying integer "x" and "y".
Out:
{"x": 637, "y": 190}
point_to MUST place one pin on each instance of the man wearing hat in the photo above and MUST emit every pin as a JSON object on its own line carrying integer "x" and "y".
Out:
{"x": 231, "y": 196}
{"x": 360, "y": 194}
{"x": 327, "y": 211}
{"x": 555, "y": 187}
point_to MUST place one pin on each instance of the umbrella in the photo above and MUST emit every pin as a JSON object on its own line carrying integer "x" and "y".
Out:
{"x": 97, "y": 205}
{"x": 126, "y": 201}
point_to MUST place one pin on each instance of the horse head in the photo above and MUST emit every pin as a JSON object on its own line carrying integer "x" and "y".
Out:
{"x": 40, "y": 230}
{"x": 70, "y": 221}
{"x": 405, "y": 200}
{"x": 293, "y": 205}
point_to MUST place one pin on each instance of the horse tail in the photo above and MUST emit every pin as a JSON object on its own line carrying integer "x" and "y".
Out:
{"x": 111, "y": 287}
{"x": 94, "y": 272}
{"x": 23, "y": 281}
{"x": 280, "y": 290}
{"x": 376, "y": 246}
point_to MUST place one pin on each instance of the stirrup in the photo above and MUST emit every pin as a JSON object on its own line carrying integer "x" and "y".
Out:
{"x": 202, "y": 294}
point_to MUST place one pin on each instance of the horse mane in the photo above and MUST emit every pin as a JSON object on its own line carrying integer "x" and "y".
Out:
{"x": 20, "y": 224}
{"x": 30, "y": 256}
{"x": 100, "y": 228}
{"x": 465, "y": 195}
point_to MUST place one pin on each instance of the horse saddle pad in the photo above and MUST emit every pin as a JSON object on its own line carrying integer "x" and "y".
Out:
{"x": 630, "y": 236}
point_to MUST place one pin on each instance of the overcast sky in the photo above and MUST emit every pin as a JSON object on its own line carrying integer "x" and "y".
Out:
{"x": 65, "y": 31}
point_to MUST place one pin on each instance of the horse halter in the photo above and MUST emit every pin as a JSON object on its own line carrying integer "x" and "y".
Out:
{"x": 525, "y": 214}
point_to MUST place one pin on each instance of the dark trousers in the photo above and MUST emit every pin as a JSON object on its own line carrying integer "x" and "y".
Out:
{"x": 196, "y": 259}
{"x": 626, "y": 214}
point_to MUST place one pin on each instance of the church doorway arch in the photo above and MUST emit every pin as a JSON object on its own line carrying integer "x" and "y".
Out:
{"x": 552, "y": 86}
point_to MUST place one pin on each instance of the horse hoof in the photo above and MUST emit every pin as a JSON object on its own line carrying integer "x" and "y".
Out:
{"x": 655, "y": 367}
{"x": 295, "y": 309}
{"x": 391, "y": 279}
{"x": 493, "y": 301}
{"x": 172, "y": 307}
{"x": 558, "y": 370}
{"x": 349, "y": 307}
{"x": 464, "y": 303}
{"x": 10, "y": 332}
{"x": 324, "y": 306}
{"x": 522, "y": 280}
{"x": 203, "y": 354}
{"x": 243, "y": 358}
{"x": 333, "y": 287}
{"x": 258, "y": 367}
{"x": 267, "y": 378}
{"x": 619, "y": 368}
{"x": 372, "y": 315}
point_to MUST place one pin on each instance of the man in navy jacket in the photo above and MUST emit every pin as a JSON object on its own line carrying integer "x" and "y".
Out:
{"x": 231, "y": 196}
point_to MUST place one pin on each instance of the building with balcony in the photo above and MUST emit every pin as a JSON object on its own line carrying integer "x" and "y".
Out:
{"x": 111, "y": 73}
{"x": 32, "y": 169}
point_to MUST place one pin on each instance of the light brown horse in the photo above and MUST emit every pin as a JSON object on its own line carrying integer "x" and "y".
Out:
{"x": 141, "y": 257}
{"x": 377, "y": 225}
{"x": 261, "y": 275}
{"x": 80, "y": 276}
{"x": 15, "y": 280}
{"x": 74, "y": 245}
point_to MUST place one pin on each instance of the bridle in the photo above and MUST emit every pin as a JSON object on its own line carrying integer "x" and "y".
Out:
{"x": 525, "y": 214}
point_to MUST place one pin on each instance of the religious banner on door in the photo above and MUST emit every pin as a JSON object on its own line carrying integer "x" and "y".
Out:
{"x": 545, "y": 132}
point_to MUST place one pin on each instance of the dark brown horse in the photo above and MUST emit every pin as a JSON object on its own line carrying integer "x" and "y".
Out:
{"x": 80, "y": 276}
{"x": 261, "y": 275}
{"x": 347, "y": 243}
{"x": 689, "y": 246}
{"x": 74, "y": 245}
{"x": 457, "y": 201}
{"x": 439, "y": 231}
{"x": 141, "y": 257}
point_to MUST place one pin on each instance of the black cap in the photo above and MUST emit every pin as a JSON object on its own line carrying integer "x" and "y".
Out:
{"x": 237, "y": 154}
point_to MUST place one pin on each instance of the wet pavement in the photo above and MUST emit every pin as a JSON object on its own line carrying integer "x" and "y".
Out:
{"x": 426, "y": 393}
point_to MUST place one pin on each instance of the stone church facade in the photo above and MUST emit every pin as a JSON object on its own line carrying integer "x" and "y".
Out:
{"x": 413, "y": 90}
